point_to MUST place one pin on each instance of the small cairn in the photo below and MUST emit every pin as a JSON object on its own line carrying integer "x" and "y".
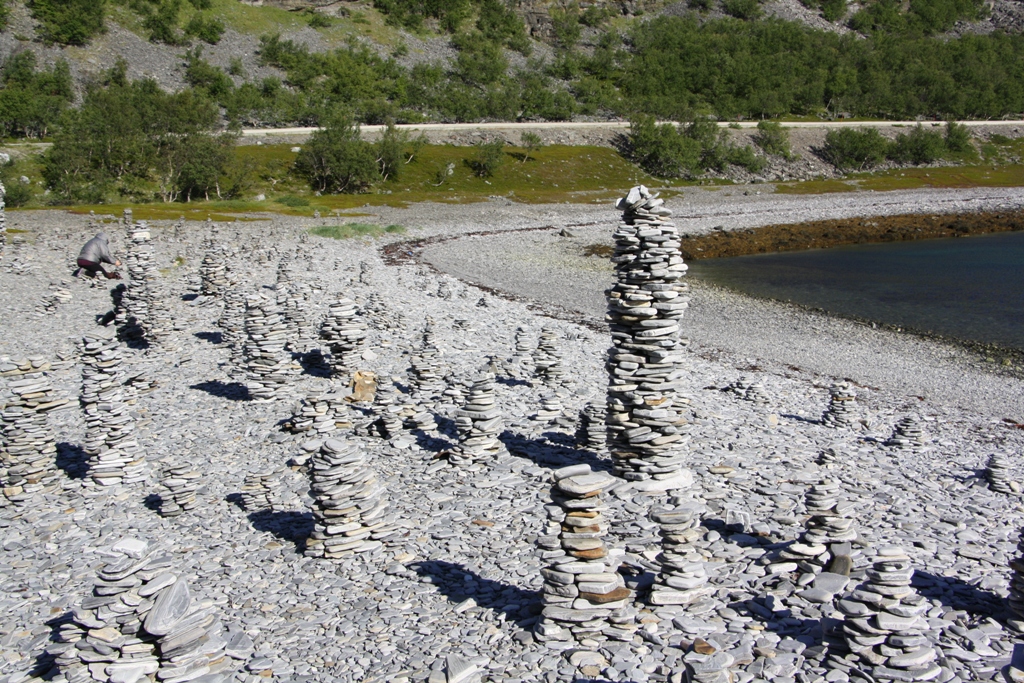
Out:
{"x": 181, "y": 482}
{"x": 345, "y": 334}
{"x": 523, "y": 357}
{"x": 58, "y": 294}
{"x": 830, "y": 455}
{"x": 884, "y": 626}
{"x": 115, "y": 457}
{"x": 997, "y": 473}
{"x": 380, "y": 316}
{"x": 547, "y": 359}
{"x": 415, "y": 416}
{"x": 213, "y": 270}
{"x": 444, "y": 290}
{"x": 3, "y": 221}
{"x": 645, "y": 308}
{"x": 1016, "y": 599}
{"x": 908, "y": 434}
{"x": 750, "y": 389}
{"x": 258, "y": 488}
{"x": 350, "y": 508}
{"x": 478, "y": 423}
{"x": 552, "y": 412}
{"x": 365, "y": 272}
{"x": 592, "y": 435}
{"x": 141, "y": 620}
{"x": 315, "y": 413}
{"x": 267, "y": 363}
{"x": 842, "y": 406}
{"x": 386, "y": 421}
{"x": 232, "y": 324}
{"x": 27, "y": 445}
{"x": 294, "y": 300}
{"x": 683, "y": 578}
{"x": 426, "y": 374}
{"x": 582, "y": 588}
{"x": 828, "y": 523}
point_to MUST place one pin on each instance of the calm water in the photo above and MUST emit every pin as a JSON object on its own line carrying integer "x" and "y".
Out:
{"x": 969, "y": 288}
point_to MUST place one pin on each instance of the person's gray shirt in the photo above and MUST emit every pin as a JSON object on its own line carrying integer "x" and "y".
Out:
{"x": 97, "y": 250}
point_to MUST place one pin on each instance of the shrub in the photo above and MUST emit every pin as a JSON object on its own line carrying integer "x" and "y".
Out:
{"x": 350, "y": 230}
{"x": 488, "y": 158}
{"x": 850, "y": 149}
{"x": 958, "y": 138}
{"x": 293, "y": 201}
{"x": 319, "y": 20}
{"x": 744, "y": 157}
{"x": 389, "y": 151}
{"x": 17, "y": 192}
{"x": 833, "y": 10}
{"x": 772, "y": 138}
{"x": 742, "y": 9}
{"x": 920, "y": 146}
{"x": 206, "y": 29}
{"x": 661, "y": 150}
{"x": 565, "y": 22}
{"x": 162, "y": 23}
{"x": 5, "y": 14}
{"x": 531, "y": 142}
{"x": 68, "y": 22}
{"x": 335, "y": 159}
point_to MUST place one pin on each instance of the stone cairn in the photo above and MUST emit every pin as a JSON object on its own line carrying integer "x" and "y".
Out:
{"x": 213, "y": 270}
{"x": 317, "y": 413}
{"x": 842, "y": 406}
{"x": 415, "y": 416}
{"x": 1016, "y": 599}
{"x": 585, "y": 599}
{"x": 380, "y": 316}
{"x": 551, "y": 411}
{"x": 997, "y": 473}
{"x": 232, "y": 324}
{"x": 908, "y": 433}
{"x": 140, "y": 314}
{"x": 58, "y": 294}
{"x": 523, "y": 357}
{"x": 386, "y": 420}
{"x": 180, "y": 482}
{"x": 682, "y": 579}
{"x": 592, "y": 435}
{"x": 345, "y": 334}
{"x": 828, "y": 523}
{"x": 294, "y": 300}
{"x": 268, "y": 365}
{"x": 142, "y": 620}
{"x": 426, "y": 374}
{"x": 749, "y": 389}
{"x": 3, "y": 221}
{"x": 547, "y": 359}
{"x": 115, "y": 456}
{"x": 350, "y": 508}
{"x": 478, "y": 422}
{"x": 830, "y": 455}
{"x": 645, "y": 307}
{"x": 258, "y": 492}
{"x": 884, "y": 626}
{"x": 27, "y": 446}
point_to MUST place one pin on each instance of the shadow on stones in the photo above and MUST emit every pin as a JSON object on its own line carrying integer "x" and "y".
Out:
{"x": 44, "y": 664}
{"x": 780, "y": 620}
{"x": 189, "y": 297}
{"x": 801, "y": 418}
{"x": 431, "y": 444}
{"x": 313, "y": 363}
{"x": 512, "y": 382}
{"x": 212, "y": 337}
{"x": 72, "y": 459}
{"x": 959, "y": 595}
{"x": 458, "y": 584}
{"x": 153, "y": 502}
{"x": 545, "y": 452}
{"x": 236, "y": 500}
{"x": 292, "y": 526}
{"x": 233, "y": 391}
{"x": 446, "y": 426}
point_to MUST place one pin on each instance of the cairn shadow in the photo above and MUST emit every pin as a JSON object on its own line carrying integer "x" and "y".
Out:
{"x": 446, "y": 426}
{"x": 313, "y": 363}
{"x": 429, "y": 443}
{"x": 236, "y": 500}
{"x": 780, "y": 620}
{"x": 153, "y": 502}
{"x": 233, "y": 391}
{"x": 800, "y": 418}
{"x": 212, "y": 337}
{"x": 512, "y": 382}
{"x": 44, "y": 665}
{"x": 72, "y": 459}
{"x": 517, "y": 604}
{"x": 189, "y": 297}
{"x": 292, "y": 526}
{"x": 545, "y": 452}
{"x": 959, "y": 594}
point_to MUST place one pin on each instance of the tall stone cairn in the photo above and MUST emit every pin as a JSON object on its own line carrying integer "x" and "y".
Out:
{"x": 997, "y": 472}
{"x": 180, "y": 482}
{"x": 583, "y": 591}
{"x": 478, "y": 423}
{"x": 1016, "y": 599}
{"x": 27, "y": 446}
{"x": 114, "y": 454}
{"x": 345, "y": 333}
{"x": 350, "y": 508}
{"x": 267, "y": 363}
{"x": 232, "y": 324}
{"x": 3, "y": 221}
{"x": 315, "y": 413}
{"x": 842, "y": 406}
{"x": 387, "y": 422}
{"x": 884, "y": 623}
{"x": 426, "y": 374}
{"x": 141, "y": 620}
{"x": 522, "y": 359}
{"x": 644, "y": 366}
{"x": 258, "y": 490}
{"x": 547, "y": 359}
{"x": 592, "y": 435}
{"x": 213, "y": 270}
{"x": 140, "y": 314}
{"x": 683, "y": 578}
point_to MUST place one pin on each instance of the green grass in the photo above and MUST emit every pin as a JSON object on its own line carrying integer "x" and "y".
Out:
{"x": 914, "y": 178}
{"x": 350, "y": 230}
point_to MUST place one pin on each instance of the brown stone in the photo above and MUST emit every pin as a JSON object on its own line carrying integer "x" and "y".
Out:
{"x": 595, "y": 554}
{"x": 483, "y": 522}
{"x": 581, "y": 529}
{"x": 620, "y": 593}
{"x": 703, "y": 647}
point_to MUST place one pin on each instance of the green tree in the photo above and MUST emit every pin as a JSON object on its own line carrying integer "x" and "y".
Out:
{"x": 389, "y": 150}
{"x": 488, "y": 158}
{"x": 920, "y": 146}
{"x": 335, "y": 159}
{"x": 531, "y": 142}
{"x": 207, "y": 29}
{"x": 958, "y": 138}
{"x": 68, "y": 22}
{"x": 772, "y": 138}
{"x": 850, "y": 149}
{"x": 565, "y": 23}
{"x": 5, "y": 14}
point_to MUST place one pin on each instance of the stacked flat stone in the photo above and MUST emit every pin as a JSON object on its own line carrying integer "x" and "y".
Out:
{"x": 829, "y": 518}
{"x": 268, "y": 365}
{"x": 294, "y": 300}
{"x": 258, "y": 490}
{"x": 141, "y": 621}
{"x": 12, "y": 367}
{"x": 232, "y": 324}
{"x": 345, "y": 333}
{"x": 380, "y": 316}
{"x": 58, "y": 294}
{"x": 3, "y": 221}
{"x": 479, "y": 423}
{"x": 749, "y": 389}
{"x": 830, "y": 455}
{"x": 315, "y": 413}
{"x": 416, "y": 416}
{"x": 645, "y": 363}
{"x": 426, "y": 374}
{"x": 551, "y": 411}
{"x": 27, "y": 445}
{"x": 213, "y": 270}
{"x": 143, "y": 314}
{"x": 908, "y": 433}
{"x": 181, "y": 482}
{"x": 350, "y": 508}
{"x": 682, "y": 579}
{"x": 386, "y": 420}
{"x": 365, "y": 272}
{"x": 1016, "y": 599}
{"x": 884, "y": 623}
{"x": 523, "y": 357}
{"x": 997, "y": 473}
{"x": 703, "y": 666}
{"x": 115, "y": 456}
{"x": 582, "y": 588}
{"x": 592, "y": 435}
{"x": 444, "y": 290}
{"x": 547, "y": 359}
{"x": 842, "y": 406}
